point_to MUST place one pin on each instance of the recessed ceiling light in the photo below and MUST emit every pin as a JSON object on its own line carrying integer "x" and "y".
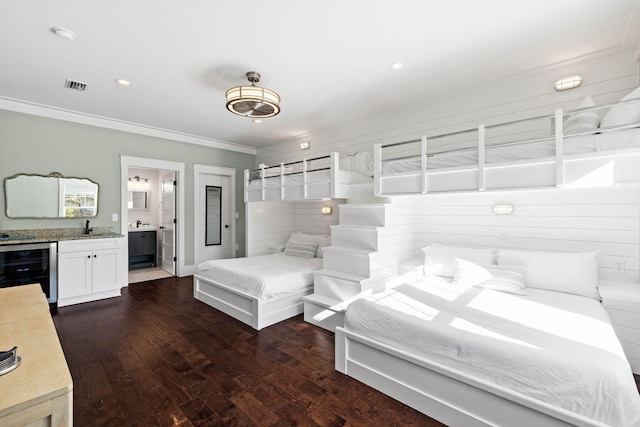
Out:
{"x": 397, "y": 66}
{"x": 123, "y": 82}
{"x": 257, "y": 121}
{"x": 64, "y": 33}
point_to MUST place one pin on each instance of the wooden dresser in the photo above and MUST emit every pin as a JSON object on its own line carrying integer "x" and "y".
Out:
{"x": 39, "y": 391}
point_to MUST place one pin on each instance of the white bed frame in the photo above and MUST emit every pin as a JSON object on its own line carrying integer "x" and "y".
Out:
{"x": 317, "y": 190}
{"x": 442, "y": 393}
{"x": 619, "y": 167}
{"x": 255, "y": 312}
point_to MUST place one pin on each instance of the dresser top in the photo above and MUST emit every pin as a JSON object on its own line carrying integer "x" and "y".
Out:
{"x": 43, "y": 373}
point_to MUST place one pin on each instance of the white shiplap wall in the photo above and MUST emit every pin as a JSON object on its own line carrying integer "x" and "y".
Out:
{"x": 271, "y": 223}
{"x": 572, "y": 220}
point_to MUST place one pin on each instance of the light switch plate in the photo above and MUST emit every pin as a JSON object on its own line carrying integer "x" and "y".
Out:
{"x": 114, "y": 217}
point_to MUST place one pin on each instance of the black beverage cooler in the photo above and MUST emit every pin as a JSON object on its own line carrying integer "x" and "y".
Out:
{"x": 24, "y": 264}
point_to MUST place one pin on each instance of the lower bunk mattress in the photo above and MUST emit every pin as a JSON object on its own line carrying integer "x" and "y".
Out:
{"x": 555, "y": 347}
{"x": 264, "y": 276}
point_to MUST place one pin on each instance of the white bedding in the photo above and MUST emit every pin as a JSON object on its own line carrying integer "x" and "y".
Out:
{"x": 264, "y": 276}
{"x": 572, "y": 145}
{"x": 555, "y": 347}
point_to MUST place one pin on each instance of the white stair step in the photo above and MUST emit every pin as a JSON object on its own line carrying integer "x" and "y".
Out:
{"x": 348, "y": 260}
{"x": 361, "y": 237}
{"x": 352, "y": 214}
{"x": 339, "y": 285}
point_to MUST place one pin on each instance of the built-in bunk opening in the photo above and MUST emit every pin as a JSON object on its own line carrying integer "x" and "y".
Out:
{"x": 324, "y": 177}
{"x": 594, "y": 146}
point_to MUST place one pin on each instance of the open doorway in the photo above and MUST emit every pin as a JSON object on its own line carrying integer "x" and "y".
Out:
{"x": 152, "y": 209}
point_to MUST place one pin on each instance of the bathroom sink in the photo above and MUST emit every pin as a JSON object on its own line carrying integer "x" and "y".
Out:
{"x": 143, "y": 228}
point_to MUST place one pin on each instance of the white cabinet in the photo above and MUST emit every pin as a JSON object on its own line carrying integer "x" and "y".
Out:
{"x": 89, "y": 270}
{"x": 622, "y": 302}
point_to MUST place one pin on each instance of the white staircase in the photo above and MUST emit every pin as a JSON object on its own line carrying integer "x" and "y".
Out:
{"x": 351, "y": 264}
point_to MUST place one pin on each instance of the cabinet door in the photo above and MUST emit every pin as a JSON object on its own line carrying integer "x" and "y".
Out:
{"x": 105, "y": 269}
{"x": 74, "y": 274}
{"x": 135, "y": 243}
{"x": 148, "y": 243}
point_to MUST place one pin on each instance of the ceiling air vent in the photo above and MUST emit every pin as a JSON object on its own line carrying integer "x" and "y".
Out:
{"x": 72, "y": 84}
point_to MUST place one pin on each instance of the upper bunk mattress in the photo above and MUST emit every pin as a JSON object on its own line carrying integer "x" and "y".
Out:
{"x": 264, "y": 276}
{"x": 555, "y": 347}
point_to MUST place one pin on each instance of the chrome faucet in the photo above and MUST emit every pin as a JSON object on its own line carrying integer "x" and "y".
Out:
{"x": 87, "y": 230}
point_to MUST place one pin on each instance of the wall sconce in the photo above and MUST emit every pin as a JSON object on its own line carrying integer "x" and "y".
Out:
{"x": 503, "y": 209}
{"x": 326, "y": 210}
{"x": 305, "y": 145}
{"x": 569, "y": 82}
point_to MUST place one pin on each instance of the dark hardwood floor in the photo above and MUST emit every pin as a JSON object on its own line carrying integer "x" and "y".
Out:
{"x": 158, "y": 357}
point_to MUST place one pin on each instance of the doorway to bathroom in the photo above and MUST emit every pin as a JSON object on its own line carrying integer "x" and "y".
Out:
{"x": 152, "y": 209}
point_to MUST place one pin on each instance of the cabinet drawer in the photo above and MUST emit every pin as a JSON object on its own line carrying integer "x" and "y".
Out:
{"x": 627, "y": 334}
{"x": 632, "y": 351}
{"x": 65, "y": 246}
{"x": 624, "y": 318}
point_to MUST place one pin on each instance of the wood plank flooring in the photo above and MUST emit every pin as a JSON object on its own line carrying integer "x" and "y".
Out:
{"x": 158, "y": 357}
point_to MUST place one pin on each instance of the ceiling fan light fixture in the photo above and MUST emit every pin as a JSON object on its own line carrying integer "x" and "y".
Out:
{"x": 253, "y": 101}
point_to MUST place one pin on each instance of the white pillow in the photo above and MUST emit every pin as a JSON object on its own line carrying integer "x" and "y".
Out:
{"x": 345, "y": 162}
{"x": 441, "y": 259}
{"x": 582, "y": 120}
{"x": 363, "y": 163}
{"x": 504, "y": 278}
{"x": 300, "y": 247}
{"x": 322, "y": 240}
{"x": 568, "y": 272}
{"x": 623, "y": 114}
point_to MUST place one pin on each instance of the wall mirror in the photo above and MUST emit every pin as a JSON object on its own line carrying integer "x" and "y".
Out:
{"x": 138, "y": 200}
{"x": 50, "y": 196}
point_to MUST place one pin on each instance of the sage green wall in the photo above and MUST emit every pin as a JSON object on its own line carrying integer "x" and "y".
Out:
{"x": 33, "y": 144}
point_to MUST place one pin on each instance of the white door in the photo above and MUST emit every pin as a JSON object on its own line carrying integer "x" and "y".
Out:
{"x": 214, "y": 218}
{"x": 168, "y": 229}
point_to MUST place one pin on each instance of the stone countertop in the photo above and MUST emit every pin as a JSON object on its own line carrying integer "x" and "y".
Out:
{"x": 54, "y": 235}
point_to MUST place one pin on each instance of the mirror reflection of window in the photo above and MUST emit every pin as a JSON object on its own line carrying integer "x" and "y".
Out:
{"x": 78, "y": 198}
{"x": 213, "y": 216}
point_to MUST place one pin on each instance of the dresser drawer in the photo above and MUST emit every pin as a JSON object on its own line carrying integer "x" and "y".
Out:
{"x": 624, "y": 318}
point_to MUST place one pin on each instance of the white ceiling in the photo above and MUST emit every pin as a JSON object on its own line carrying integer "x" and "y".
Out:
{"x": 329, "y": 60}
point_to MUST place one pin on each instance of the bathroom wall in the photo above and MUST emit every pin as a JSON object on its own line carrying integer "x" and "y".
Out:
{"x": 150, "y": 216}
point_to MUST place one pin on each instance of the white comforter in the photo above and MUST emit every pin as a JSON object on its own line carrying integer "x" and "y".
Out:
{"x": 555, "y": 347}
{"x": 264, "y": 276}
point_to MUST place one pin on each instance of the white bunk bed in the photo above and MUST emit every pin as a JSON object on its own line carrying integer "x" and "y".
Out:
{"x": 563, "y": 150}
{"x": 324, "y": 177}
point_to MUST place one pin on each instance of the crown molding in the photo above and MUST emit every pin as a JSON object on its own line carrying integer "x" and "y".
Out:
{"x": 25, "y": 107}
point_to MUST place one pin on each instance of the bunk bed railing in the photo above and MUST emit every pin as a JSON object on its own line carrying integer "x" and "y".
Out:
{"x": 285, "y": 169}
{"x": 428, "y": 151}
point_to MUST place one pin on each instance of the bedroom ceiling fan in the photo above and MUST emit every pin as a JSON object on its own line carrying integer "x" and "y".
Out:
{"x": 253, "y": 101}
